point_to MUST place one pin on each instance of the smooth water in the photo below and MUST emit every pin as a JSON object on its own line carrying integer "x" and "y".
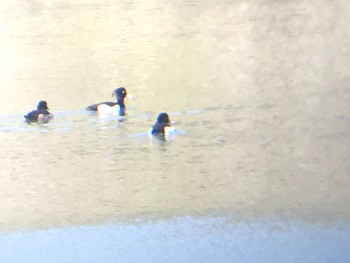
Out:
{"x": 184, "y": 239}
{"x": 257, "y": 91}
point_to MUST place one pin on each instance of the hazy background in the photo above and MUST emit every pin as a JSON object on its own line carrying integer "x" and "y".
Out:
{"x": 258, "y": 91}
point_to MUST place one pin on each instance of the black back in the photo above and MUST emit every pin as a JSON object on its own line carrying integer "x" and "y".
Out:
{"x": 93, "y": 107}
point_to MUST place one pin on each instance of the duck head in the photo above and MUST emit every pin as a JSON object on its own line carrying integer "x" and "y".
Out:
{"x": 120, "y": 94}
{"x": 42, "y": 105}
{"x": 163, "y": 118}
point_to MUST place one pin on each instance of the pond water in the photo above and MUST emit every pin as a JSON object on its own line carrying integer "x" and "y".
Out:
{"x": 185, "y": 239}
{"x": 257, "y": 91}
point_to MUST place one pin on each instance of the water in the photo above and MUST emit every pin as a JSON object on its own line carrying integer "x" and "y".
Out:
{"x": 182, "y": 240}
{"x": 256, "y": 90}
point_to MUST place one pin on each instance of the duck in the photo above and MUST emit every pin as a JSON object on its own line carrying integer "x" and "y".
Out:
{"x": 162, "y": 125}
{"x": 40, "y": 115}
{"x": 107, "y": 107}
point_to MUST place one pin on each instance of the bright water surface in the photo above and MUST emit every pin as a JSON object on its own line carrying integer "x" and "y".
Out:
{"x": 257, "y": 172}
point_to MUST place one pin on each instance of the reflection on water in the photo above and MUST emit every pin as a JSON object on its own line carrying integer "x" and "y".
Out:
{"x": 185, "y": 239}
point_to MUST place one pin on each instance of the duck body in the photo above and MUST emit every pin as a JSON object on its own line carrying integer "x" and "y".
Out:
{"x": 159, "y": 128}
{"x": 40, "y": 115}
{"x": 107, "y": 107}
{"x": 162, "y": 126}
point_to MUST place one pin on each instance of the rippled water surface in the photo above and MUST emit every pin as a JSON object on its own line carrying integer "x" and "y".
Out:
{"x": 258, "y": 93}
